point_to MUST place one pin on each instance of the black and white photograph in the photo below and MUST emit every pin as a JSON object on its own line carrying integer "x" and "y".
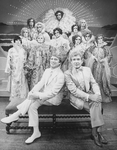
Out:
{"x": 58, "y": 75}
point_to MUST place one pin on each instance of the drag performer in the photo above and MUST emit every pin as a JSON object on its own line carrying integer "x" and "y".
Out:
{"x": 59, "y": 18}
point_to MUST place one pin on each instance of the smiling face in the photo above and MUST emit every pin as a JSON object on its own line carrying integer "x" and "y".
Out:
{"x": 76, "y": 61}
{"x": 40, "y": 39}
{"x": 54, "y": 62}
{"x": 59, "y": 16}
{"x": 57, "y": 34}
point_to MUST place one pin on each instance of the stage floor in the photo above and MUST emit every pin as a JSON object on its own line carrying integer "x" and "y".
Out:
{"x": 61, "y": 140}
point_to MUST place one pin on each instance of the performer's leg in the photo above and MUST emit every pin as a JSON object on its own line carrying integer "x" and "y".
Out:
{"x": 99, "y": 130}
{"x": 24, "y": 106}
{"x": 34, "y": 120}
{"x": 96, "y": 115}
{"x": 96, "y": 119}
{"x": 22, "y": 109}
{"x": 11, "y": 118}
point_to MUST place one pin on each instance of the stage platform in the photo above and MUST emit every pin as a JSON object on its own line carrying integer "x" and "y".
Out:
{"x": 67, "y": 139}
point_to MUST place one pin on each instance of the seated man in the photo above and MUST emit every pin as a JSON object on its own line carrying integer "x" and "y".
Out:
{"x": 80, "y": 82}
{"x": 48, "y": 91}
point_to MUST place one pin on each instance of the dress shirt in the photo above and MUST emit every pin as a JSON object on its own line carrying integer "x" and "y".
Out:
{"x": 52, "y": 72}
{"x": 78, "y": 73}
{"x": 50, "y": 75}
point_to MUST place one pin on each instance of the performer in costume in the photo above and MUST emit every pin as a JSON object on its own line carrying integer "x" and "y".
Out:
{"x": 78, "y": 44}
{"x": 31, "y": 26}
{"x": 83, "y": 28}
{"x": 59, "y": 40}
{"x": 41, "y": 57}
{"x": 89, "y": 58}
{"x": 88, "y": 42}
{"x": 61, "y": 43}
{"x": 25, "y": 36}
{"x": 48, "y": 91}
{"x": 75, "y": 31}
{"x": 40, "y": 28}
{"x": 101, "y": 69}
{"x": 17, "y": 84}
{"x": 37, "y": 61}
{"x": 59, "y": 18}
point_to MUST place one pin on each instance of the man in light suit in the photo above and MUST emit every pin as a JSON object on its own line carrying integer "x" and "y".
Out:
{"x": 48, "y": 91}
{"x": 80, "y": 83}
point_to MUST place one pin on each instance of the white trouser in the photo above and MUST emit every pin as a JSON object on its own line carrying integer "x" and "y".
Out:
{"x": 24, "y": 106}
{"x": 31, "y": 107}
{"x": 33, "y": 113}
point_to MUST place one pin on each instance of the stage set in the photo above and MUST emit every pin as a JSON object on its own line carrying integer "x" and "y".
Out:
{"x": 14, "y": 15}
{"x": 100, "y": 18}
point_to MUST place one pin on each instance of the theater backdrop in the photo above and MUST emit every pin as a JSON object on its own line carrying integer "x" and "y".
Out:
{"x": 101, "y": 17}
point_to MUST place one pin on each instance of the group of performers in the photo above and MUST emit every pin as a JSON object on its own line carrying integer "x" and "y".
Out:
{"x": 60, "y": 32}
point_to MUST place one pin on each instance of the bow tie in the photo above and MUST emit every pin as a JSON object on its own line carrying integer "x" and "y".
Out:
{"x": 79, "y": 69}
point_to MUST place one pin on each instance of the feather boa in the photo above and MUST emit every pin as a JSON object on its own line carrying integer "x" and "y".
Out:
{"x": 65, "y": 23}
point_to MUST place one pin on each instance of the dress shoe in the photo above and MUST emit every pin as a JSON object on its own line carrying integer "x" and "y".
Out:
{"x": 10, "y": 119}
{"x": 96, "y": 140}
{"x": 102, "y": 139}
{"x": 32, "y": 138}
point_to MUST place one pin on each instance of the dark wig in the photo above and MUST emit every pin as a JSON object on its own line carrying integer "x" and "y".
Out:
{"x": 16, "y": 38}
{"x": 57, "y": 29}
{"x": 74, "y": 38}
{"x": 72, "y": 28}
{"x": 59, "y": 11}
{"x": 29, "y": 21}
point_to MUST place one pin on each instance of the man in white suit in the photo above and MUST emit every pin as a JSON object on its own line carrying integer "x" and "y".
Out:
{"x": 80, "y": 83}
{"x": 48, "y": 91}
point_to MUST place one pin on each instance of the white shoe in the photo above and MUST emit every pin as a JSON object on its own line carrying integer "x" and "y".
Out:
{"x": 10, "y": 119}
{"x": 32, "y": 138}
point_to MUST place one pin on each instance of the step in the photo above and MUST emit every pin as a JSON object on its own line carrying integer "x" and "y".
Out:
{"x": 114, "y": 91}
{"x": 3, "y": 84}
{"x": 3, "y": 88}
{"x": 4, "y": 93}
{"x": 3, "y": 63}
{"x": 3, "y": 75}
